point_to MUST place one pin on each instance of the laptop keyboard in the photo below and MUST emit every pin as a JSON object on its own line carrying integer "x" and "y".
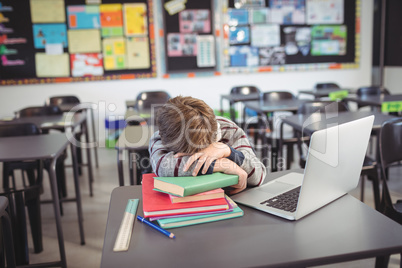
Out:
{"x": 286, "y": 201}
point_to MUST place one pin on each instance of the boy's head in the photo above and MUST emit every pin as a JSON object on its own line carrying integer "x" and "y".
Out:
{"x": 186, "y": 125}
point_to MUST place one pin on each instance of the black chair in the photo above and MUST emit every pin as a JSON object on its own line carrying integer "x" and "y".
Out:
{"x": 244, "y": 90}
{"x": 324, "y": 86}
{"x": 6, "y": 241}
{"x": 60, "y": 100}
{"x": 370, "y": 91}
{"x": 390, "y": 154}
{"x": 60, "y": 167}
{"x": 28, "y": 194}
{"x": 147, "y": 103}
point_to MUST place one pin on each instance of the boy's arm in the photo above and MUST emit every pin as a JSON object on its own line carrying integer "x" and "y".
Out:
{"x": 163, "y": 162}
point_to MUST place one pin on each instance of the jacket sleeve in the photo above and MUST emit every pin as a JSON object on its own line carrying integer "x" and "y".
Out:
{"x": 163, "y": 162}
{"x": 251, "y": 164}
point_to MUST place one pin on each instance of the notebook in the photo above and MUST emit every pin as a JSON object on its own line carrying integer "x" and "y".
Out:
{"x": 334, "y": 162}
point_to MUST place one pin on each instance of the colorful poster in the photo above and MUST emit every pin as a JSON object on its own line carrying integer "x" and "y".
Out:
{"x": 265, "y": 35}
{"x": 272, "y": 56}
{"x": 135, "y": 19}
{"x": 181, "y": 44}
{"x": 288, "y": 11}
{"x": 138, "y": 53}
{"x": 243, "y": 56}
{"x": 111, "y": 18}
{"x": 328, "y": 40}
{"x": 206, "y": 51}
{"x": 249, "y": 3}
{"x": 52, "y": 65}
{"x": 175, "y": 6}
{"x": 114, "y": 53}
{"x": 297, "y": 39}
{"x": 84, "y": 41}
{"x": 83, "y": 17}
{"x": 239, "y": 35}
{"x": 325, "y": 11}
{"x": 86, "y": 64}
{"x": 195, "y": 20}
{"x": 259, "y": 15}
{"x": 49, "y": 34}
{"x": 47, "y": 11}
{"x": 238, "y": 17}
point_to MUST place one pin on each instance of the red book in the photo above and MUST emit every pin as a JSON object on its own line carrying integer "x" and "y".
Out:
{"x": 157, "y": 204}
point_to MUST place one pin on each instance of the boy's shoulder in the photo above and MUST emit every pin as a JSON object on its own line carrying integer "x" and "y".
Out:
{"x": 223, "y": 121}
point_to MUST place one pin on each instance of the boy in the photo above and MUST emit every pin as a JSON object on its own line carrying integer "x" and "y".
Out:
{"x": 193, "y": 141}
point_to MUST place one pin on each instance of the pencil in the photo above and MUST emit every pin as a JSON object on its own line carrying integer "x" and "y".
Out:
{"x": 163, "y": 231}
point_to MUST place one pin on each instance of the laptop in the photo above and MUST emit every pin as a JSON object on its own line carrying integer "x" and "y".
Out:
{"x": 334, "y": 162}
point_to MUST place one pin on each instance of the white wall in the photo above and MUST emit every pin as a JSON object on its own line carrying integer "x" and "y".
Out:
{"x": 393, "y": 79}
{"x": 209, "y": 89}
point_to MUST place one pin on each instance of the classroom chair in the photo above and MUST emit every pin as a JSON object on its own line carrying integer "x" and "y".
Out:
{"x": 6, "y": 241}
{"x": 390, "y": 155}
{"x": 327, "y": 85}
{"x": 370, "y": 91}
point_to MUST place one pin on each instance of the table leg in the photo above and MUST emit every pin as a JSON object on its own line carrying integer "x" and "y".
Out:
{"x": 56, "y": 207}
{"x": 132, "y": 168}
{"x": 89, "y": 162}
{"x": 94, "y": 138}
{"x": 77, "y": 194}
{"x": 280, "y": 147}
{"x": 120, "y": 167}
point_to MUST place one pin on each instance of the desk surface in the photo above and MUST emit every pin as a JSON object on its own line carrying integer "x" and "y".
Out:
{"x": 291, "y": 105}
{"x": 323, "y": 92}
{"x": 319, "y": 121}
{"x": 240, "y": 97}
{"x": 344, "y": 230}
{"x": 375, "y": 100}
{"x": 43, "y": 146}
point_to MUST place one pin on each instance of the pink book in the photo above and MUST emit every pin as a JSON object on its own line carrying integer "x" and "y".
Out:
{"x": 208, "y": 195}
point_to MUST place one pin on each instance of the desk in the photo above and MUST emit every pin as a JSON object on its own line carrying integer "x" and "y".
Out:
{"x": 132, "y": 138}
{"x": 375, "y": 101}
{"x": 234, "y": 98}
{"x": 321, "y": 121}
{"x": 344, "y": 230}
{"x": 42, "y": 147}
{"x": 321, "y": 93}
{"x": 58, "y": 122}
{"x": 265, "y": 107}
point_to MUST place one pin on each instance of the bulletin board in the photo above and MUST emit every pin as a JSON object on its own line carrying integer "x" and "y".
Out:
{"x": 188, "y": 38}
{"x": 50, "y": 41}
{"x": 287, "y": 35}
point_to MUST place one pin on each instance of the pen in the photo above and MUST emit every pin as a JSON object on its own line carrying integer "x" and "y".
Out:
{"x": 169, "y": 234}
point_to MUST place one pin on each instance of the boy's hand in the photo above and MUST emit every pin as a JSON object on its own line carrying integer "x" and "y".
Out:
{"x": 214, "y": 151}
{"x": 227, "y": 166}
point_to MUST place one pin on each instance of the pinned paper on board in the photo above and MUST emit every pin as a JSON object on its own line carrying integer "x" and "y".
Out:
{"x": 111, "y": 18}
{"x": 52, "y": 65}
{"x": 40, "y": 11}
{"x": 288, "y": 11}
{"x": 181, "y": 44}
{"x": 272, "y": 56}
{"x": 44, "y": 34}
{"x": 84, "y": 41}
{"x": 54, "y": 49}
{"x": 238, "y": 17}
{"x": 259, "y": 15}
{"x": 328, "y": 40}
{"x": 325, "y": 11}
{"x": 175, "y": 6}
{"x": 135, "y": 19}
{"x": 114, "y": 53}
{"x": 265, "y": 35}
{"x": 206, "y": 51}
{"x": 297, "y": 39}
{"x": 195, "y": 20}
{"x": 138, "y": 53}
{"x": 86, "y": 64}
{"x": 83, "y": 17}
{"x": 239, "y": 35}
{"x": 243, "y": 56}
{"x": 249, "y": 3}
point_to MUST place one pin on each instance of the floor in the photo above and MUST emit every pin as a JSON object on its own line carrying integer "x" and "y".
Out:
{"x": 96, "y": 210}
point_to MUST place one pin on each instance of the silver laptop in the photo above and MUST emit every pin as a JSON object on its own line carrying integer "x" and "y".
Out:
{"x": 334, "y": 162}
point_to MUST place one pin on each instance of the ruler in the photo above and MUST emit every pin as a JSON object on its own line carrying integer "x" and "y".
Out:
{"x": 126, "y": 226}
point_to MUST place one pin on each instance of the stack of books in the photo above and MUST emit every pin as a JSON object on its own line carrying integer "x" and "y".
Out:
{"x": 182, "y": 201}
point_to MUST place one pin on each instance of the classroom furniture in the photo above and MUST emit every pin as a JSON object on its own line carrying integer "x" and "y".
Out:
{"x": 133, "y": 139}
{"x": 66, "y": 104}
{"x": 375, "y": 101}
{"x": 309, "y": 123}
{"x": 239, "y": 94}
{"x": 332, "y": 234}
{"x": 148, "y": 102}
{"x": 61, "y": 122}
{"x": 6, "y": 230}
{"x": 263, "y": 108}
{"x": 43, "y": 147}
{"x": 28, "y": 195}
{"x": 326, "y": 85}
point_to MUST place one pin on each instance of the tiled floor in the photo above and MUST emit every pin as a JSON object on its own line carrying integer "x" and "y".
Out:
{"x": 96, "y": 210}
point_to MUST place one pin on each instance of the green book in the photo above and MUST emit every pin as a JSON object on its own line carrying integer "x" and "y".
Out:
{"x": 191, "y": 220}
{"x": 185, "y": 186}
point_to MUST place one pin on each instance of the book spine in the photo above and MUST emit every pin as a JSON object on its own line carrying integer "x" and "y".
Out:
{"x": 210, "y": 186}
